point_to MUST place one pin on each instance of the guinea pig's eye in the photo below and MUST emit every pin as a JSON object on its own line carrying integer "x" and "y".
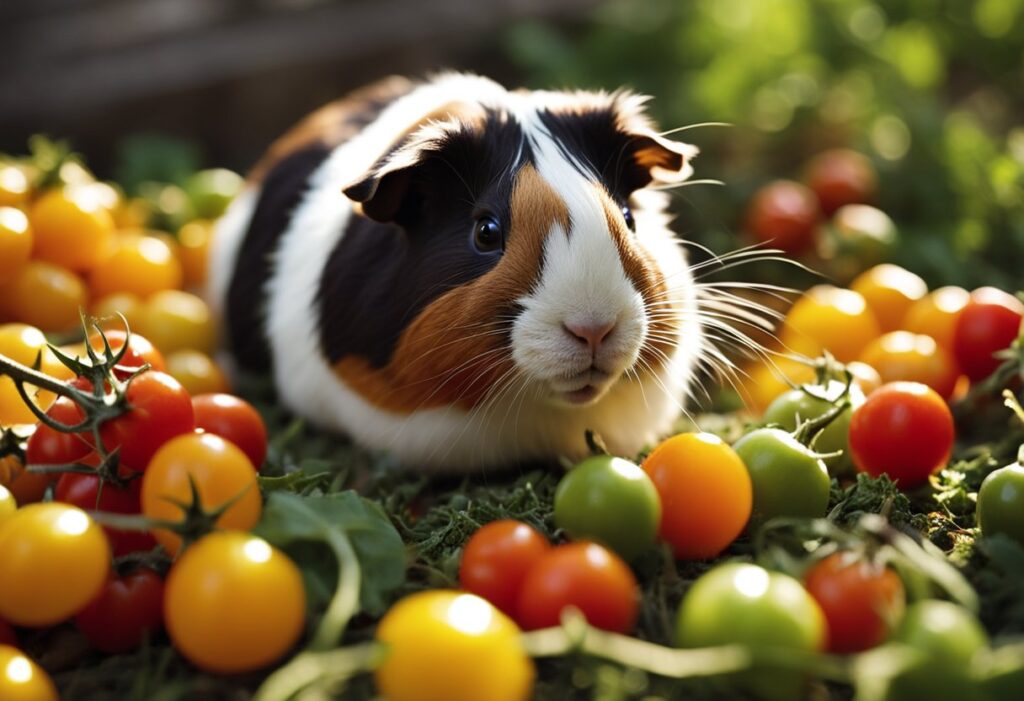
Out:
{"x": 487, "y": 235}
{"x": 627, "y": 214}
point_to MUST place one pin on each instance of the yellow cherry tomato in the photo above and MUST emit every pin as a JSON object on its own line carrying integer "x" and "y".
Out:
{"x": 7, "y": 503}
{"x": 864, "y": 376}
{"x": 432, "y": 633}
{"x": 936, "y": 313}
{"x": 21, "y": 679}
{"x": 197, "y": 372}
{"x": 23, "y": 344}
{"x": 45, "y": 295}
{"x": 55, "y": 561}
{"x": 139, "y": 265}
{"x": 14, "y": 187}
{"x": 889, "y": 291}
{"x": 133, "y": 213}
{"x": 221, "y": 472}
{"x": 128, "y": 305}
{"x": 830, "y": 318}
{"x": 767, "y": 380}
{"x": 174, "y": 320}
{"x": 15, "y": 242}
{"x": 234, "y": 603}
{"x": 904, "y": 356}
{"x": 72, "y": 227}
{"x": 193, "y": 250}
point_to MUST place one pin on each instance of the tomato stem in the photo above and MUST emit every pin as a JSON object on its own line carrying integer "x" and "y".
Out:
{"x": 326, "y": 668}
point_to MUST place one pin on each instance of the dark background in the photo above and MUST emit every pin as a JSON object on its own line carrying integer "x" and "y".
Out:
{"x": 932, "y": 91}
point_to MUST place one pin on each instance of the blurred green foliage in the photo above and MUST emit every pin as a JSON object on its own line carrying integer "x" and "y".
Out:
{"x": 931, "y": 90}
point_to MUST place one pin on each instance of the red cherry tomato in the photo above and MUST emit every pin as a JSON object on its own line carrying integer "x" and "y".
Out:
{"x": 234, "y": 420}
{"x": 161, "y": 409}
{"x": 496, "y": 559}
{"x": 125, "y": 611}
{"x": 989, "y": 323}
{"x": 905, "y": 430}
{"x": 83, "y": 490}
{"x": 140, "y": 350}
{"x": 784, "y": 214}
{"x": 49, "y": 447}
{"x": 841, "y": 176}
{"x": 860, "y": 600}
{"x": 585, "y": 575}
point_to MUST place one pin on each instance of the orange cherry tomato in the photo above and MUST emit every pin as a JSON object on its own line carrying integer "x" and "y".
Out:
{"x": 107, "y": 308}
{"x": 24, "y": 344}
{"x": 830, "y": 318}
{"x": 73, "y": 227}
{"x": 706, "y": 493}
{"x": 936, "y": 313}
{"x": 889, "y": 291}
{"x": 901, "y": 355}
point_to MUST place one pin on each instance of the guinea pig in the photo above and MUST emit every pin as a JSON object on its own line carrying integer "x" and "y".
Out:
{"x": 466, "y": 276}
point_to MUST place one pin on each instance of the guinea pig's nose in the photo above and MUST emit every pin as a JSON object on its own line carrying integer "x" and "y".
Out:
{"x": 589, "y": 333}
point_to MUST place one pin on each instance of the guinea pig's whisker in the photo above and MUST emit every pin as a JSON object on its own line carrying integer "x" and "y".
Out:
{"x": 698, "y": 125}
{"x": 686, "y": 183}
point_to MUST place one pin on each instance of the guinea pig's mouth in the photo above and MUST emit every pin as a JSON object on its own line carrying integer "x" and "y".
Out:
{"x": 582, "y": 388}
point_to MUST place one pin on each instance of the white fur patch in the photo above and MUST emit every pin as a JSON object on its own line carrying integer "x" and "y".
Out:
{"x": 583, "y": 278}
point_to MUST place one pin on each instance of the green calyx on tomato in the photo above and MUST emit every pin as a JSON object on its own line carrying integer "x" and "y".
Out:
{"x": 611, "y": 501}
{"x": 788, "y": 478}
{"x": 810, "y": 402}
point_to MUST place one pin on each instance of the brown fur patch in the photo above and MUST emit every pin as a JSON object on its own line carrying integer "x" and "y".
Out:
{"x": 332, "y": 124}
{"x": 643, "y": 271}
{"x": 455, "y": 350}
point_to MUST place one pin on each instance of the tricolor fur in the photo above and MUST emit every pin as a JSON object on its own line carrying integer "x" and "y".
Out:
{"x": 349, "y": 267}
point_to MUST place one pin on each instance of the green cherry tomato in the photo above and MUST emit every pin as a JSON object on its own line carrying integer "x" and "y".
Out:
{"x": 745, "y": 604}
{"x": 947, "y": 636}
{"x": 788, "y": 479}
{"x": 811, "y": 403}
{"x": 451, "y": 646}
{"x": 611, "y": 501}
{"x": 1001, "y": 502}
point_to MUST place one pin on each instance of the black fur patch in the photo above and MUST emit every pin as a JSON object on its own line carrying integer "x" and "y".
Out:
{"x": 380, "y": 276}
{"x": 592, "y": 141}
{"x": 283, "y": 186}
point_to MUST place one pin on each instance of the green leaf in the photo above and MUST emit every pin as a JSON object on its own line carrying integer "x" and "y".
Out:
{"x": 293, "y": 522}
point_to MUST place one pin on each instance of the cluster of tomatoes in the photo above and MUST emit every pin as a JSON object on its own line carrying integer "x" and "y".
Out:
{"x": 82, "y": 244}
{"x": 133, "y": 461}
{"x": 828, "y": 217}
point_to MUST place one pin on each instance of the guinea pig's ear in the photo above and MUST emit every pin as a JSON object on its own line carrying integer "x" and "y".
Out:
{"x": 386, "y": 186}
{"x": 665, "y": 161}
{"x": 658, "y": 160}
